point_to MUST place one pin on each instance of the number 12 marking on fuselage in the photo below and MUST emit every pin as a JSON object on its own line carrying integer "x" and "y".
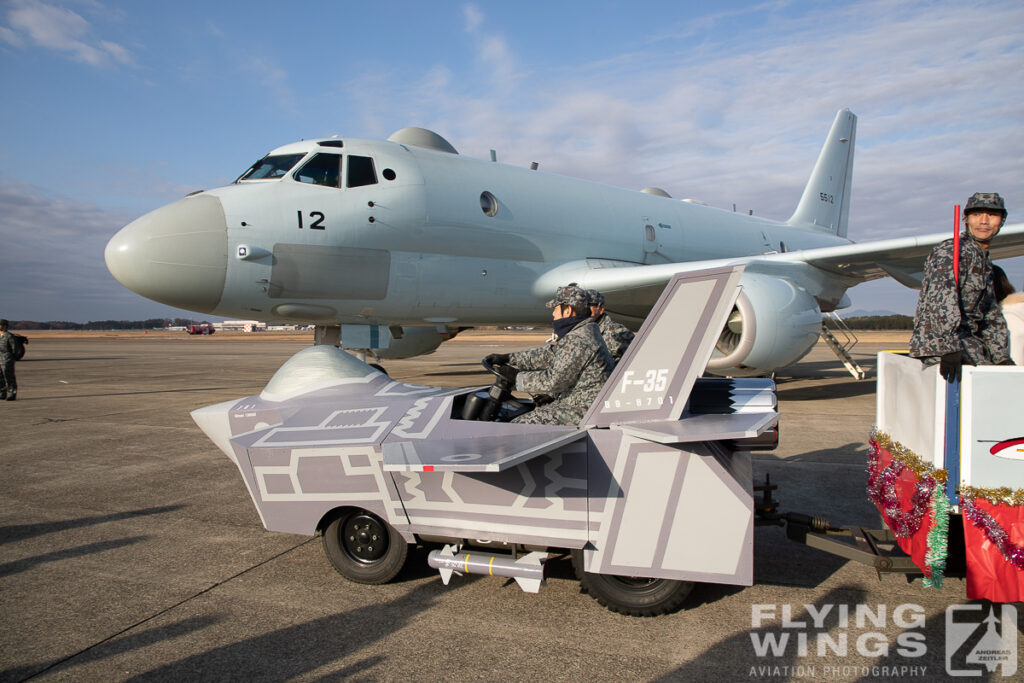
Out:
{"x": 318, "y": 220}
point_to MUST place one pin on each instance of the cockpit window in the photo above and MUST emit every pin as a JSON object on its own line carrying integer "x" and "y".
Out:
{"x": 360, "y": 171}
{"x": 271, "y": 167}
{"x": 323, "y": 169}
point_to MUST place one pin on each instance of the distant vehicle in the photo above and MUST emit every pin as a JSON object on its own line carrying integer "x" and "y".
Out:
{"x": 650, "y": 493}
{"x": 204, "y": 328}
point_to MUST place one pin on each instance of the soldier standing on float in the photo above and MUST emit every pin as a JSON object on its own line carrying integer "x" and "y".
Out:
{"x": 951, "y": 326}
{"x": 572, "y": 370}
{"x": 617, "y": 336}
{"x": 8, "y": 382}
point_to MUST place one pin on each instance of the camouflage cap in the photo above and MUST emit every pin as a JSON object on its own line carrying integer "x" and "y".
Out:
{"x": 570, "y": 295}
{"x": 985, "y": 200}
{"x": 596, "y": 297}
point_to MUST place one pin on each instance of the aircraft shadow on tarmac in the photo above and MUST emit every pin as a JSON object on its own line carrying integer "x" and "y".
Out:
{"x": 279, "y": 655}
{"x": 824, "y": 455}
{"x": 19, "y": 532}
{"x": 190, "y": 390}
{"x": 119, "y": 646}
{"x": 27, "y": 563}
{"x": 283, "y": 654}
{"x": 29, "y": 359}
{"x": 827, "y": 391}
{"x": 740, "y": 650}
{"x": 779, "y": 561}
{"x": 825, "y": 369}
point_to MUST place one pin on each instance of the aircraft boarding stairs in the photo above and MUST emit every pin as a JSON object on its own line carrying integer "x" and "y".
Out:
{"x": 842, "y": 348}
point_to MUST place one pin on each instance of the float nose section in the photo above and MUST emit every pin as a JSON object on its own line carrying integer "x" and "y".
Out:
{"x": 176, "y": 255}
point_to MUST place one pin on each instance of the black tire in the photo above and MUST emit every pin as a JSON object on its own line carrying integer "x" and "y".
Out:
{"x": 363, "y": 547}
{"x": 632, "y": 596}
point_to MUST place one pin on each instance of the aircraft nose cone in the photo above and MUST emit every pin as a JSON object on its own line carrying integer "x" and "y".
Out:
{"x": 176, "y": 255}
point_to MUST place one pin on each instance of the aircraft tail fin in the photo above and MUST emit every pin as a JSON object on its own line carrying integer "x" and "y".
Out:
{"x": 652, "y": 381}
{"x": 825, "y": 203}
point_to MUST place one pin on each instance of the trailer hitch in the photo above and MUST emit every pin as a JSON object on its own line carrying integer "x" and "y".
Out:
{"x": 766, "y": 511}
{"x": 874, "y": 547}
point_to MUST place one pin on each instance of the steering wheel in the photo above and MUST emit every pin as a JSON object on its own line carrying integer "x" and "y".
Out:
{"x": 505, "y": 391}
{"x": 501, "y": 393}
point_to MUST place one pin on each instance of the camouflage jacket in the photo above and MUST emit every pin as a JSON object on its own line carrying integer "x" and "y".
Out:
{"x": 616, "y": 336}
{"x": 6, "y": 347}
{"x": 572, "y": 370}
{"x": 970, "y": 322}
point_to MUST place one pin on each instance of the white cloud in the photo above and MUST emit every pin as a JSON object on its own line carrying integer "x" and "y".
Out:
{"x": 117, "y": 52}
{"x": 494, "y": 57}
{"x": 60, "y": 29}
{"x": 474, "y": 18}
{"x": 10, "y": 37}
{"x": 741, "y": 121}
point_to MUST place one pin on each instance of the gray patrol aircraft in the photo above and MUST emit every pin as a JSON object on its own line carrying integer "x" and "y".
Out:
{"x": 396, "y": 245}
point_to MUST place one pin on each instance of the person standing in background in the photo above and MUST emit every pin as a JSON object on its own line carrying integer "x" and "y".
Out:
{"x": 1012, "y": 304}
{"x": 8, "y": 356}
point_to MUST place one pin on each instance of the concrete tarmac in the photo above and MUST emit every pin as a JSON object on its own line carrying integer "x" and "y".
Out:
{"x": 131, "y": 549}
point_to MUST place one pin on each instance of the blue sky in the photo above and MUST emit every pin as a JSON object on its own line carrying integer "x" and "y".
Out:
{"x": 111, "y": 109}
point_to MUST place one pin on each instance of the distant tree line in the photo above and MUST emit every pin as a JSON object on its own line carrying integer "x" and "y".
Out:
{"x": 151, "y": 324}
{"x": 869, "y": 322}
{"x": 877, "y": 322}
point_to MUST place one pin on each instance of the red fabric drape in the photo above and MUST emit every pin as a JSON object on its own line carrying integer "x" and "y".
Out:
{"x": 989, "y": 574}
{"x": 915, "y": 545}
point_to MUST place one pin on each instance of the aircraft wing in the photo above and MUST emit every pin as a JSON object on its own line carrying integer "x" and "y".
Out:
{"x": 901, "y": 258}
{"x": 474, "y": 454}
{"x": 630, "y": 289}
{"x": 692, "y": 428}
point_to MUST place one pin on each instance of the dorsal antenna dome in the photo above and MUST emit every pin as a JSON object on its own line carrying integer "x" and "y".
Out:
{"x": 421, "y": 137}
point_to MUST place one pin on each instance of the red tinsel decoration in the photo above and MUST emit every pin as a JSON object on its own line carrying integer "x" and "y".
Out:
{"x": 995, "y": 533}
{"x": 882, "y": 492}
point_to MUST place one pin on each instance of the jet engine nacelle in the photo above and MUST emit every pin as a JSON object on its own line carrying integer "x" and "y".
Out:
{"x": 774, "y": 323}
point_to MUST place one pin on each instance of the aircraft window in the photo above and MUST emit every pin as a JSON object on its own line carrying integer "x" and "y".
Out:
{"x": 488, "y": 204}
{"x": 388, "y": 174}
{"x": 323, "y": 169}
{"x": 271, "y": 167}
{"x": 360, "y": 171}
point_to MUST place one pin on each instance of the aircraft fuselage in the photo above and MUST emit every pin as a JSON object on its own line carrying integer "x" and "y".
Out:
{"x": 435, "y": 238}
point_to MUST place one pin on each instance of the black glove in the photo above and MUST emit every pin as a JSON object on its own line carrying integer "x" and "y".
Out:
{"x": 508, "y": 373}
{"x": 950, "y": 364}
{"x": 497, "y": 359}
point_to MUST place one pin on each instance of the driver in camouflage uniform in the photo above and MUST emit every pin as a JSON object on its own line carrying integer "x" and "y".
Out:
{"x": 617, "y": 336}
{"x": 955, "y": 326}
{"x": 572, "y": 370}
